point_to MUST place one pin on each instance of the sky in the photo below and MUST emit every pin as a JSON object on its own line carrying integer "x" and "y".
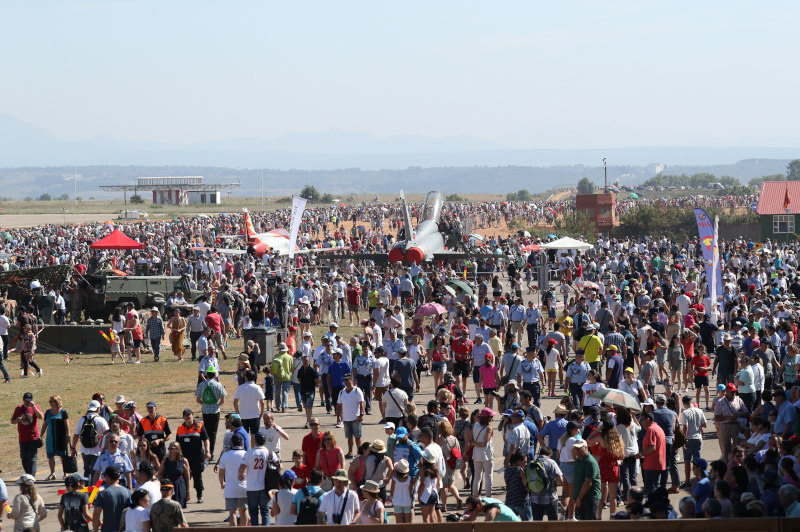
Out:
{"x": 519, "y": 74}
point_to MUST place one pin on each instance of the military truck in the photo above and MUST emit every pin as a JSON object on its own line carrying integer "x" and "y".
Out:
{"x": 107, "y": 292}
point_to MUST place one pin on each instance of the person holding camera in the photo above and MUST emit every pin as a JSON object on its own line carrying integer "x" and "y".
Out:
{"x": 340, "y": 506}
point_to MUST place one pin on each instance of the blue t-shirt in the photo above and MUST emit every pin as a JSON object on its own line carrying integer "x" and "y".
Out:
{"x": 553, "y": 430}
{"x": 299, "y": 496}
{"x": 701, "y": 491}
{"x": 337, "y": 371}
{"x": 113, "y": 501}
{"x": 411, "y": 452}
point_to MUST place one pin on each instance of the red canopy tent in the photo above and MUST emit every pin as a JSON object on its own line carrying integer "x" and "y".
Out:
{"x": 116, "y": 240}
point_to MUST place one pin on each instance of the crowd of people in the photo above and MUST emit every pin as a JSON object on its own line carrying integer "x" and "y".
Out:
{"x": 638, "y": 361}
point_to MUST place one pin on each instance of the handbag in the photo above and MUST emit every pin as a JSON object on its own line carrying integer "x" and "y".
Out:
{"x": 678, "y": 440}
{"x": 504, "y": 380}
{"x": 70, "y": 464}
{"x": 39, "y": 443}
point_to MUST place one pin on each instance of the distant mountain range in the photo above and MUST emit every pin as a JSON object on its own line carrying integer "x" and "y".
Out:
{"x": 340, "y": 162}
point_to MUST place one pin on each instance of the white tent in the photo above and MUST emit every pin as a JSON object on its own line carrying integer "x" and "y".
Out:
{"x": 567, "y": 243}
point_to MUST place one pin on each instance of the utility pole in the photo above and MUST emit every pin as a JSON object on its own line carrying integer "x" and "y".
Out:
{"x": 75, "y": 184}
{"x": 605, "y": 176}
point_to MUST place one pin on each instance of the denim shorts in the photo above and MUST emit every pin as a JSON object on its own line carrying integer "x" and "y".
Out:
{"x": 308, "y": 400}
{"x": 235, "y": 503}
{"x": 692, "y": 450}
{"x": 352, "y": 429}
{"x": 438, "y": 366}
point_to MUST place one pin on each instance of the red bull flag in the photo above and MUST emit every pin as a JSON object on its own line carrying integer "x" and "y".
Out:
{"x": 705, "y": 228}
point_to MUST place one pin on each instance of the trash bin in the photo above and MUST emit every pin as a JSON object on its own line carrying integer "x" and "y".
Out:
{"x": 264, "y": 337}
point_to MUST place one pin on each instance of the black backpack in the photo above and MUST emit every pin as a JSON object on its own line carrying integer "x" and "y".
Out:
{"x": 308, "y": 508}
{"x": 89, "y": 436}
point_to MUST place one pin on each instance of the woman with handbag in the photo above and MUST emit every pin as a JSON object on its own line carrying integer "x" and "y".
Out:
{"x": 451, "y": 450}
{"x": 330, "y": 458}
{"x": 56, "y": 428}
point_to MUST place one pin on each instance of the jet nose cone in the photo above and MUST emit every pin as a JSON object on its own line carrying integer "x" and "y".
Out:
{"x": 415, "y": 255}
{"x": 396, "y": 254}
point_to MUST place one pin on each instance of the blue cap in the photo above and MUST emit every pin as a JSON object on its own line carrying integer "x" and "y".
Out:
{"x": 515, "y": 345}
{"x": 401, "y": 432}
{"x": 508, "y": 413}
{"x": 288, "y": 477}
{"x": 701, "y": 463}
{"x": 720, "y": 387}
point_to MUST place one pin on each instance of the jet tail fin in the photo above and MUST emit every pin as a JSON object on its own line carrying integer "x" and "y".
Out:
{"x": 409, "y": 230}
{"x": 249, "y": 230}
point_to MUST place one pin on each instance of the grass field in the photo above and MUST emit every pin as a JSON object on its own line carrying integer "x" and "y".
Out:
{"x": 170, "y": 383}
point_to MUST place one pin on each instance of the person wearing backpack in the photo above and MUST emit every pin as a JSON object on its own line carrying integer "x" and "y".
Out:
{"x": 210, "y": 395}
{"x": 543, "y": 476}
{"x": 89, "y": 432}
{"x": 305, "y": 504}
{"x": 515, "y": 475}
{"x": 282, "y": 367}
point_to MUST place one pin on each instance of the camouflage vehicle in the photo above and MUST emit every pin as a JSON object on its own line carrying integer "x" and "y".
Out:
{"x": 106, "y": 292}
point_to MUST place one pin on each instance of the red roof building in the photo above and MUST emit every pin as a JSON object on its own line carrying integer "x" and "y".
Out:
{"x": 778, "y": 221}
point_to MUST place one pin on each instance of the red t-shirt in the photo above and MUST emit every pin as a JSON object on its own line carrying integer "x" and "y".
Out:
{"x": 310, "y": 447}
{"x": 352, "y": 296}
{"x": 701, "y": 361}
{"x": 656, "y": 460}
{"x": 27, "y": 428}
{"x": 215, "y": 322}
{"x": 303, "y": 472}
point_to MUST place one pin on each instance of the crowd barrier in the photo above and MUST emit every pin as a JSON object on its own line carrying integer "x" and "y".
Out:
{"x": 673, "y": 525}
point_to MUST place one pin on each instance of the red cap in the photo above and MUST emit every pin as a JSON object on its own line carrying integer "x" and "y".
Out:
{"x": 731, "y": 387}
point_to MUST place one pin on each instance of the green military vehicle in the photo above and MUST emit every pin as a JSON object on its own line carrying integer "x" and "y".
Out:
{"x": 106, "y": 292}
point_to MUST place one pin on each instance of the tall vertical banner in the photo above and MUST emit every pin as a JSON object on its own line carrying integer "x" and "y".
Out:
{"x": 298, "y": 207}
{"x": 708, "y": 243}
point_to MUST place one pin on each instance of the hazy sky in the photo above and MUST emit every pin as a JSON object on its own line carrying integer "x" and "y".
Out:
{"x": 524, "y": 74}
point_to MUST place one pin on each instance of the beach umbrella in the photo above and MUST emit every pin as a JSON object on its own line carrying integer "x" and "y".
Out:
{"x": 6, "y": 235}
{"x": 634, "y": 195}
{"x": 587, "y": 284}
{"x": 450, "y": 290}
{"x": 465, "y": 288}
{"x": 526, "y": 234}
{"x": 531, "y": 247}
{"x": 430, "y": 309}
{"x": 551, "y": 235}
{"x": 476, "y": 236}
{"x": 612, "y": 396}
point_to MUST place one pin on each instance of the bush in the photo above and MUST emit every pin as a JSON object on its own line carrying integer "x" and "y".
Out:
{"x": 576, "y": 225}
{"x": 454, "y": 198}
{"x": 136, "y": 199}
{"x": 520, "y": 195}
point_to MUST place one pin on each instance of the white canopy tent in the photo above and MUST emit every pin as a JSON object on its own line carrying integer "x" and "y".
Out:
{"x": 567, "y": 243}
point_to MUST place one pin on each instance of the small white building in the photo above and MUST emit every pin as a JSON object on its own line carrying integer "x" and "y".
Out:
{"x": 182, "y": 194}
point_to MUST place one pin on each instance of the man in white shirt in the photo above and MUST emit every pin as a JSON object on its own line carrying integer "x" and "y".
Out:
{"x": 251, "y": 470}
{"x": 340, "y": 506}
{"x": 89, "y": 454}
{"x": 350, "y": 407}
{"x": 380, "y": 379}
{"x": 273, "y": 434}
{"x": 233, "y": 489}
{"x": 248, "y": 402}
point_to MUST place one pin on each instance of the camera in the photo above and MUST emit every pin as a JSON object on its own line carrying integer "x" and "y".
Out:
{"x": 337, "y": 519}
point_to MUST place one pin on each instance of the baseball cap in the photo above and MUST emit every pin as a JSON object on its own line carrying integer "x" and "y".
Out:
{"x": 151, "y": 404}
{"x": 94, "y": 406}
{"x": 701, "y": 463}
{"x": 629, "y": 370}
{"x": 731, "y": 387}
{"x": 402, "y": 432}
{"x": 519, "y": 413}
{"x": 515, "y": 345}
{"x": 210, "y": 369}
{"x": 579, "y": 444}
{"x": 389, "y": 425}
{"x": 187, "y": 411}
{"x": 28, "y": 396}
{"x": 508, "y": 413}
{"x": 720, "y": 387}
{"x": 288, "y": 477}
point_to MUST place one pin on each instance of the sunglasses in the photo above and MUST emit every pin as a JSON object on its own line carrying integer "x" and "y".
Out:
{"x": 326, "y": 439}
{"x": 313, "y": 424}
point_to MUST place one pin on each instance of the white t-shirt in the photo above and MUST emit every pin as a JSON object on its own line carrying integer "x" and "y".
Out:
{"x": 135, "y": 518}
{"x": 392, "y": 409}
{"x": 204, "y": 308}
{"x": 351, "y": 403}
{"x": 285, "y": 517}
{"x": 382, "y": 364}
{"x": 4, "y": 325}
{"x": 588, "y": 389}
{"x": 256, "y": 461}
{"x": 273, "y": 438}
{"x": 101, "y": 426}
{"x": 333, "y": 503}
{"x": 250, "y": 396}
{"x": 154, "y": 489}
{"x": 230, "y": 462}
